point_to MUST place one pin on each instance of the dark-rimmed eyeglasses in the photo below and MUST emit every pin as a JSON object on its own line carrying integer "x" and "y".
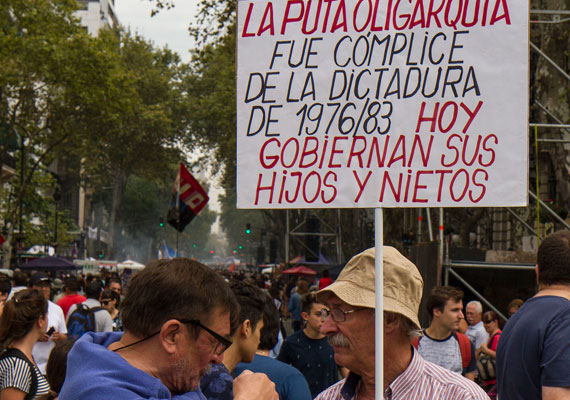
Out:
{"x": 223, "y": 343}
{"x": 337, "y": 314}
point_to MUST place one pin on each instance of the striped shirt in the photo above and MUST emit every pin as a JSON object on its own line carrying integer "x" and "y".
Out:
{"x": 15, "y": 373}
{"x": 422, "y": 380}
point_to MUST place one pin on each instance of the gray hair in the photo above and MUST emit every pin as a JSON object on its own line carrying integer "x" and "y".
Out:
{"x": 478, "y": 305}
{"x": 411, "y": 330}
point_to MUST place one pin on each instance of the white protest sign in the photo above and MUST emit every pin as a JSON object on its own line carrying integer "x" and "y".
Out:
{"x": 382, "y": 103}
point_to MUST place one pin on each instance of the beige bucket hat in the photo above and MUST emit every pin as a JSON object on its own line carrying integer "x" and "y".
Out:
{"x": 403, "y": 283}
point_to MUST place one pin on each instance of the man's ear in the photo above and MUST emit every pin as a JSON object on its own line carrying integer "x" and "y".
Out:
{"x": 245, "y": 328}
{"x": 304, "y": 315}
{"x": 171, "y": 335}
{"x": 436, "y": 312}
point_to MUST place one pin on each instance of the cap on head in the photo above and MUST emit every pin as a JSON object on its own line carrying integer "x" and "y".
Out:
{"x": 403, "y": 283}
{"x": 38, "y": 278}
{"x": 57, "y": 283}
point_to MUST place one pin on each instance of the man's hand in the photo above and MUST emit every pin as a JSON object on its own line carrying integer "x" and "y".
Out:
{"x": 250, "y": 386}
{"x": 44, "y": 338}
{"x": 58, "y": 337}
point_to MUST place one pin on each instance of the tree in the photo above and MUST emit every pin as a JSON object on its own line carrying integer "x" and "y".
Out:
{"x": 136, "y": 118}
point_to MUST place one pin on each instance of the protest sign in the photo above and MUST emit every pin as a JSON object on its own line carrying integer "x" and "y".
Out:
{"x": 382, "y": 103}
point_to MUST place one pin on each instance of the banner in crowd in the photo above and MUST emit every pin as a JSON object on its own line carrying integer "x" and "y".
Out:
{"x": 382, "y": 103}
{"x": 188, "y": 199}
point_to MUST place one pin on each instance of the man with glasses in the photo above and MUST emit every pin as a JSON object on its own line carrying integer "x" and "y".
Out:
{"x": 308, "y": 349}
{"x": 176, "y": 319}
{"x": 350, "y": 329}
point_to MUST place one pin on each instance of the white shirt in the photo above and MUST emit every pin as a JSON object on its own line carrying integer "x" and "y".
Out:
{"x": 477, "y": 334}
{"x": 41, "y": 350}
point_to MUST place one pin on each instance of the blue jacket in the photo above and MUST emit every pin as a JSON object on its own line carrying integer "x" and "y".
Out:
{"x": 95, "y": 373}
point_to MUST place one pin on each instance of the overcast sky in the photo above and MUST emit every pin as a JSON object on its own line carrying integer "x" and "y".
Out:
{"x": 168, "y": 27}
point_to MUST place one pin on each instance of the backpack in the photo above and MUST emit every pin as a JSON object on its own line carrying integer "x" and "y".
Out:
{"x": 18, "y": 354}
{"x": 81, "y": 320}
{"x": 464, "y": 347}
{"x": 486, "y": 364}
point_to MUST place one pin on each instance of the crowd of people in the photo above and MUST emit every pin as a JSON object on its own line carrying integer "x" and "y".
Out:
{"x": 180, "y": 330}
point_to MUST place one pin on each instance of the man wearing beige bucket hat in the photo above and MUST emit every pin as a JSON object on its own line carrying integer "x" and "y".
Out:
{"x": 350, "y": 329}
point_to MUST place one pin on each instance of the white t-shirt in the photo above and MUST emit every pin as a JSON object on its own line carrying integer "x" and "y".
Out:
{"x": 42, "y": 349}
{"x": 445, "y": 353}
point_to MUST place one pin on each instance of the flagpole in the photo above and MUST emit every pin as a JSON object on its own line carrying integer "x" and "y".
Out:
{"x": 178, "y": 208}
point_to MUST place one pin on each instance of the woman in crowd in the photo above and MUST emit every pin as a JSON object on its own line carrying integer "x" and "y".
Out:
{"x": 24, "y": 321}
{"x": 491, "y": 324}
{"x": 110, "y": 301}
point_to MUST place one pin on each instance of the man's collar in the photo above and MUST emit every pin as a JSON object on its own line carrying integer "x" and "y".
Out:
{"x": 409, "y": 377}
{"x": 348, "y": 390}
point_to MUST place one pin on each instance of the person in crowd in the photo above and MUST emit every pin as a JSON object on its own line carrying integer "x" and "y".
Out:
{"x": 308, "y": 350}
{"x": 23, "y": 323}
{"x": 289, "y": 382}
{"x": 442, "y": 344}
{"x": 71, "y": 288}
{"x": 56, "y": 331}
{"x": 491, "y": 323}
{"x": 5, "y": 288}
{"x": 350, "y": 329}
{"x": 533, "y": 352}
{"x": 295, "y": 303}
{"x": 176, "y": 318}
{"x": 55, "y": 368}
{"x": 103, "y": 320}
{"x": 217, "y": 384}
{"x": 57, "y": 289}
{"x": 277, "y": 294}
{"x": 325, "y": 279}
{"x": 514, "y": 306}
{"x": 20, "y": 283}
{"x": 476, "y": 331}
{"x": 115, "y": 285}
{"x": 110, "y": 301}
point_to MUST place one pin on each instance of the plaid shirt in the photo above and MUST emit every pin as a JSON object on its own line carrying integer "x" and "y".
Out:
{"x": 422, "y": 380}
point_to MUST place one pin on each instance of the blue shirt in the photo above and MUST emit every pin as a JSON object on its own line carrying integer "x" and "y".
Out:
{"x": 534, "y": 349}
{"x": 295, "y": 306}
{"x": 289, "y": 382}
{"x": 218, "y": 384}
{"x": 95, "y": 372}
{"x": 313, "y": 357}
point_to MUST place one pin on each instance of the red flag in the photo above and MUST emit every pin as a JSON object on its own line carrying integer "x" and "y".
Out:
{"x": 188, "y": 199}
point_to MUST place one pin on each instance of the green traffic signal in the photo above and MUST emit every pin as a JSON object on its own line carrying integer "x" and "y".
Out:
{"x": 161, "y": 222}
{"x": 247, "y": 229}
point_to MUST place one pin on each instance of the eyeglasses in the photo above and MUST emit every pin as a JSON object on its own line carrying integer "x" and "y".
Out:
{"x": 223, "y": 343}
{"x": 337, "y": 314}
{"x": 105, "y": 302}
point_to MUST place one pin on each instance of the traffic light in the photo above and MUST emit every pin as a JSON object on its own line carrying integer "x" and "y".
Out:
{"x": 240, "y": 247}
{"x": 247, "y": 229}
{"x": 100, "y": 255}
{"x": 161, "y": 222}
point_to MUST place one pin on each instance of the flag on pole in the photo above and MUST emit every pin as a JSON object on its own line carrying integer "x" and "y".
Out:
{"x": 188, "y": 199}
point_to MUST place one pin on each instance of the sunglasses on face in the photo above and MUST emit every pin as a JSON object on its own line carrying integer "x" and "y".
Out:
{"x": 105, "y": 302}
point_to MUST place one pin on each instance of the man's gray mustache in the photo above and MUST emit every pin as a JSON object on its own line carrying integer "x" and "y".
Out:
{"x": 338, "y": 340}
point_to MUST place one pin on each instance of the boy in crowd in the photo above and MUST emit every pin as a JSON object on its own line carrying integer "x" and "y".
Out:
{"x": 441, "y": 344}
{"x": 289, "y": 382}
{"x": 218, "y": 382}
{"x": 308, "y": 350}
